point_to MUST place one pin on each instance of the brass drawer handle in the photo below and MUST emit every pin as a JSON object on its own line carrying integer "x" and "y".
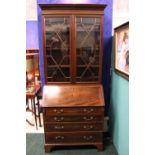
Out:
{"x": 58, "y": 111}
{"x": 59, "y": 137}
{"x": 88, "y": 119}
{"x": 59, "y": 127}
{"x": 58, "y": 119}
{"x": 87, "y": 137}
{"x": 88, "y": 110}
{"x": 88, "y": 127}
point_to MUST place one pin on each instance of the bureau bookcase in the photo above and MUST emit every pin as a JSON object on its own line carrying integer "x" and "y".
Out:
{"x": 73, "y": 48}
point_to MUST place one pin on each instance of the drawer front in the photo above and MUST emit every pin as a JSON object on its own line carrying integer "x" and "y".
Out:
{"x": 73, "y": 111}
{"x": 91, "y": 118}
{"x": 60, "y": 127}
{"x": 84, "y": 137}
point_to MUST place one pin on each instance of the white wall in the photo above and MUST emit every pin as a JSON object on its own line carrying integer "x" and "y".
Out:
{"x": 120, "y": 12}
{"x": 31, "y": 10}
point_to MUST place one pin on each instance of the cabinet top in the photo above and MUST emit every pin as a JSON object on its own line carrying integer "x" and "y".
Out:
{"x": 72, "y": 6}
{"x": 73, "y": 95}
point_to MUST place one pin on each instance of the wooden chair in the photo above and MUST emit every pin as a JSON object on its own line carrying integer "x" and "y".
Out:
{"x": 28, "y": 110}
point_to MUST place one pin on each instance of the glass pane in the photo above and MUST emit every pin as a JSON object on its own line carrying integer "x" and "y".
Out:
{"x": 57, "y": 32}
{"x": 56, "y": 74}
{"x": 87, "y": 48}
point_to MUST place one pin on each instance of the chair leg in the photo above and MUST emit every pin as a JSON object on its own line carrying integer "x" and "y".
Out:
{"x": 29, "y": 122}
{"x": 28, "y": 110}
{"x": 38, "y": 107}
{"x": 35, "y": 115}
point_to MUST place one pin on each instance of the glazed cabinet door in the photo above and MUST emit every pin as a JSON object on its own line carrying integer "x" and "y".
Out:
{"x": 57, "y": 48}
{"x": 88, "y": 48}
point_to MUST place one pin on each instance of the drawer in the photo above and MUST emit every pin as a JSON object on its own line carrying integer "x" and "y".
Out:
{"x": 91, "y": 118}
{"x": 70, "y": 137}
{"x": 73, "y": 111}
{"x": 56, "y": 127}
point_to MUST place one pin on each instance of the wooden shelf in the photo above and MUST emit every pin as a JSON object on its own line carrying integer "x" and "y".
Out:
{"x": 88, "y": 65}
{"x": 75, "y": 99}
{"x": 73, "y": 46}
{"x": 61, "y": 66}
{"x": 56, "y": 48}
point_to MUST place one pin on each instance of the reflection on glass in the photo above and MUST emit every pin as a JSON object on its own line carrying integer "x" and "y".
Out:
{"x": 57, "y": 48}
{"x": 87, "y": 48}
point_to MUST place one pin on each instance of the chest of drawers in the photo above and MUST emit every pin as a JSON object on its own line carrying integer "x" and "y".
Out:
{"x": 73, "y": 115}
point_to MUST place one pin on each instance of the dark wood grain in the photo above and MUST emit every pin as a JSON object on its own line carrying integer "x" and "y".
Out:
{"x": 73, "y": 114}
{"x": 73, "y": 95}
{"x": 70, "y": 137}
{"x": 70, "y": 111}
{"x": 73, "y": 111}
{"x": 72, "y": 11}
{"x": 67, "y": 126}
{"x": 75, "y": 118}
{"x": 72, "y": 7}
{"x": 32, "y": 50}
